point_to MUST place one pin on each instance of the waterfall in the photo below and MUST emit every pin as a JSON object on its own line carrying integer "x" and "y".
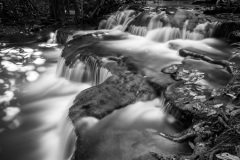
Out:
{"x": 86, "y": 71}
{"x": 164, "y": 34}
{"x": 78, "y": 64}
{"x": 138, "y": 30}
{"x": 153, "y": 25}
{"x": 158, "y": 21}
{"x": 200, "y": 32}
{"x": 53, "y": 37}
{"x": 118, "y": 19}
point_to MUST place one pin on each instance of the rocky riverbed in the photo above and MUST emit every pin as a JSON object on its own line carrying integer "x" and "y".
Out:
{"x": 198, "y": 80}
{"x": 206, "y": 97}
{"x": 189, "y": 88}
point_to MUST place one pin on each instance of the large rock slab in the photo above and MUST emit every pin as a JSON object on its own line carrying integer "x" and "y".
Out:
{"x": 115, "y": 93}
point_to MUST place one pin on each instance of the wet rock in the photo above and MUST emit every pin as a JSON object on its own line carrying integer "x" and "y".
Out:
{"x": 234, "y": 36}
{"x": 197, "y": 93}
{"x": 171, "y": 69}
{"x": 228, "y": 30}
{"x": 115, "y": 93}
{"x": 195, "y": 99}
{"x": 62, "y": 35}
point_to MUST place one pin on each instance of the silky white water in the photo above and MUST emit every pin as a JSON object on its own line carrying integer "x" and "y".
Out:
{"x": 45, "y": 133}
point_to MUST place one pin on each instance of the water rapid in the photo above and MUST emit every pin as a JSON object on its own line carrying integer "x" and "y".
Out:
{"x": 148, "y": 43}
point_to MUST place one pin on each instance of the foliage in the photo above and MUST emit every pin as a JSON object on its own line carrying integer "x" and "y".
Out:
{"x": 62, "y": 11}
{"x": 27, "y": 11}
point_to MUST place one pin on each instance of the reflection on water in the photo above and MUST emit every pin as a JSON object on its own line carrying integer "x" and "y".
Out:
{"x": 43, "y": 132}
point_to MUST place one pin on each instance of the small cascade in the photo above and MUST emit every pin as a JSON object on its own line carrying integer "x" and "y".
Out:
{"x": 155, "y": 25}
{"x": 158, "y": 21}
{"x": 164, "y": 34}
{"x": 123, "y": 19}
{"x": 184, "y": 29}
{"x": 53, "y": 37}
{"x": 86, "y": 71}
{"x": 191, "y": 35}
{"x": 61, "y": 36}
{"x": 147, "y": 21}
{"x": 194, "y": 36}
{"x": 200, "y": 32}
{"x": 159, "y": 26}
{"x": 213, "y": 28}
{"x": 138, "y": 30}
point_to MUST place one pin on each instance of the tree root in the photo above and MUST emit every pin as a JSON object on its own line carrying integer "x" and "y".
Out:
{"x": 180, "y": 139}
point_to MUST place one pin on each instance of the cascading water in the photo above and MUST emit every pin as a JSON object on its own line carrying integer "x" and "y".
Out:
{"x": 118, "y": 19}
{"x": 139, "y": 31}
{"x": 164, "y": 34}
{"x": 161, "y": 26}
{"x": 157, "y": 26}
{"x": 87, "y": 71}
{"x": 121, "y": 134}
{"x": 124, "y": 133}
{"x": 170, "y": 33}
{"x": 53, "y": 37}
{"x": 157, "y": 21}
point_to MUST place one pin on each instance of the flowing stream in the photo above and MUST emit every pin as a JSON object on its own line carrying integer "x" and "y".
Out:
{"x": 41, "y": 130}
